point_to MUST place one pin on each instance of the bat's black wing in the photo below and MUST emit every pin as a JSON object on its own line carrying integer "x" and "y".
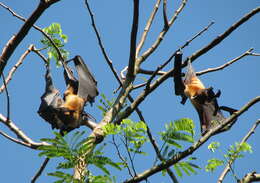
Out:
{"x": 87, "y": 87}
{"x": 179, "y": 86}
{"x": 208, "y": 109}
{"x": 51, "y": 100}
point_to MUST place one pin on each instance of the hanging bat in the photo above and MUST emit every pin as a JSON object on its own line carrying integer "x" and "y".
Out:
{"x": 203, "y": 99}
{"x": 67, "y": 113}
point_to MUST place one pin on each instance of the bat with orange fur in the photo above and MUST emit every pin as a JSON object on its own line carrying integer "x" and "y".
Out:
{"x": 67, "y": 113}
{"x": 203, "y": 99}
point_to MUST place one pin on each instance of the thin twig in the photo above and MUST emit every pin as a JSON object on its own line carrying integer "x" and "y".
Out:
{"x": 231, "y": 161}
{"x": 15, "y": 67}
{"x": 147, "y": 27}
{"x": 165, "y": 19}
{"x": 45, "y": 60}
{"x": 248, "y": 52}
{"x": 255, "y": 54}
{"x": 181, "y": 155}
{"x": 121, "y": 157}
{"x": 125, "y": 142}
{"x": 14, "y": 139}
{"x": 39, "y": 172}
{"x": 100, "y": 43}
{"x": 161, "y": 35}
{"x": 7, "y": 98}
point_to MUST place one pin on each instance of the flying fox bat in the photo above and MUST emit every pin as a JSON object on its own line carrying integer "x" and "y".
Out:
{"x": 67, "y": 113}
{"x": 203, "y": 99}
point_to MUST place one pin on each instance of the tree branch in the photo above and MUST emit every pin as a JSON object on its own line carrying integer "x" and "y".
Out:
{"x": 15, "y": 67}
{"x": 160, "y": 37}
{"x": 26, "y": 141}
{"x": 108, "y": 60}
{"x": 39, "y": 172}
{"x": 179, "y": 156}
{"x": 231, "y": 161}
{"x": 248, "y": 52}
{"x": 251, "y": 177}
{"x": 132, "y": 57}
{"x": 147, "y": 27}
{"x": 15, "y": 40}
{"x": 165, "y": 19}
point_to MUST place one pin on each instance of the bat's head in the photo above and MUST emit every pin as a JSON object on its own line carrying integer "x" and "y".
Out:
{"x": 193, "y": 85}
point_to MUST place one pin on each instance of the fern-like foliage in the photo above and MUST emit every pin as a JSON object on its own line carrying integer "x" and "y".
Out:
{"x": 180, "y": 130}
{"x": 70, "y": 148}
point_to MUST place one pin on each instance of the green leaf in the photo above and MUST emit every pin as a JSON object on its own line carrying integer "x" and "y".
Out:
{"x": 244, "y": 147}
{"x": 213, "y": 146}
{"x": 213, "y": 164}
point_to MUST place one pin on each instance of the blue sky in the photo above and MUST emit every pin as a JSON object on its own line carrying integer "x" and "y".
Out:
{"x": 239, "y": 83}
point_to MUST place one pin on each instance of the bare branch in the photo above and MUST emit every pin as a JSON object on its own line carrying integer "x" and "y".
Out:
{"x": 147, "y": 27}
{"x": 231, "y": 161}
{"x": 160, "y": 37}
{"x": 165, "y": 19}
{"x": 179, "y": 156}
{"x": 255, "y": 54}
{"x": 221, "y": 37}
{"x": 39, "y": 172}
{"x": 7, "y": 98}
{"x": 108, "y": 60}
{"x": 248, "y": 52}
{"x": 14, "y": 139}
{"x": 20, "y": 134}
{"x": 15, "y": 67}
{"x": 251, "y": 177}
{"x": 15, "y": 40}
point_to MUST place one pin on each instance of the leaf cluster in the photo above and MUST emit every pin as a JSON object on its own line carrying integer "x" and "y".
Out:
{"x": 133, "y": 133}
{"x": 234, "y": 152}
{"x": 179, "y": 130}
{"x": 54, "y": 31}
